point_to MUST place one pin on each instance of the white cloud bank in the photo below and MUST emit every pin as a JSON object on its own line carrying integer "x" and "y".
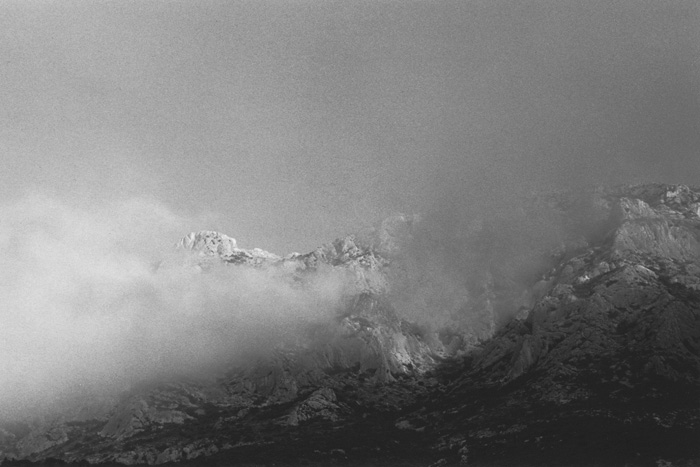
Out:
{"x": 83, "y": 307}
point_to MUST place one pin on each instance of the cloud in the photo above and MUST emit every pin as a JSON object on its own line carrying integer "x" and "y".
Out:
{"x": 84, "y": 307}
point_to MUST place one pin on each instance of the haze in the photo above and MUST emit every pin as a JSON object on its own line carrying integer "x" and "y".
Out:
{"x": 88, "y": 307}
{"x": 287, "y": 124}
{"x": 125, "y": 125}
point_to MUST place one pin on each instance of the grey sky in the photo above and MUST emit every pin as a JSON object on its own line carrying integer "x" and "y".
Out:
{"x": 299, "y": 121}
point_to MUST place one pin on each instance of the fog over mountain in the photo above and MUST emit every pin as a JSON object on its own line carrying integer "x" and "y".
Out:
{"x": 95, "y": 301}
{"x": 563, "y": 329}
{"x": 435, "y": 205}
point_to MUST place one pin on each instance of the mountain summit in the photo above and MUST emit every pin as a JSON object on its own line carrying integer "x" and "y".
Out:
{"x": 207, "y": 245}
{"x": 567, "y": 332}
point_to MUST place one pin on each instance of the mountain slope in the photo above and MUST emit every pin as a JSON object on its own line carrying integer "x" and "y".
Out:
{"x": 567, "y": 333}
{"x": 605, "y": 366}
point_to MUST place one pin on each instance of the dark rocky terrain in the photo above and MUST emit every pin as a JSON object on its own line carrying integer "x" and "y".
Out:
{"x": 566, "y": 334}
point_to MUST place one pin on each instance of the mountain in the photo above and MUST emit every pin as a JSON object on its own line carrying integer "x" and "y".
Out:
{"x": 562, "y": 331}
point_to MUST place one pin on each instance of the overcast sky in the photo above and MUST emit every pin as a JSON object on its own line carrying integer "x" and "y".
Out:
{"x": 296, "y": 122}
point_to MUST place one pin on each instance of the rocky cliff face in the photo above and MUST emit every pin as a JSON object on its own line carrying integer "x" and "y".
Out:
{"x": 582, "y": 348}
{"x": 604, "y": 367}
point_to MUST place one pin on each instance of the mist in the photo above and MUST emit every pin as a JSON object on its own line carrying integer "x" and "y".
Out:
{"x": 86, "y": 310}
{"x": 350, "y": 110}
{"x": 300, "y": 122}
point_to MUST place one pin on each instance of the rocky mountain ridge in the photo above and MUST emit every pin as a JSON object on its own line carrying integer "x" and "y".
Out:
{"x": 584, "y": 348}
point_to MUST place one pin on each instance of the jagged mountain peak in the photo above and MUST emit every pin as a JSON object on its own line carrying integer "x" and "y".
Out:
{"x": 389, "y": 237}
{"x": 210, "y": 245}
{"x": 208, "y": 242}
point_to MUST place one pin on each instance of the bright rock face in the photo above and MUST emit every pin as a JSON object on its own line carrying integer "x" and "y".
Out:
{"x": 209, "y": 246}
{"x": 208, "y": 243}
{"x": 569, "y": 332}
